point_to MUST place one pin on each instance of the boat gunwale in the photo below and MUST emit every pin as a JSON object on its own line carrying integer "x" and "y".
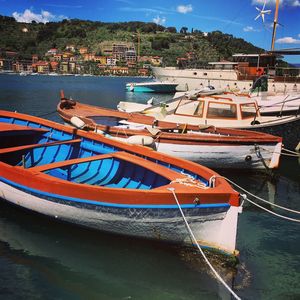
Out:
{"x": 125, "y": 204}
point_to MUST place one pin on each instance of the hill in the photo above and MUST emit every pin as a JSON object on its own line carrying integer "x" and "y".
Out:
{"x": 38, "y": 38}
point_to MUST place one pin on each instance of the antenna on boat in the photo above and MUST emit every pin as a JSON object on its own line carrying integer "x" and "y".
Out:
{"x": 263, "y": 12}
{"x": 275, "y": 23}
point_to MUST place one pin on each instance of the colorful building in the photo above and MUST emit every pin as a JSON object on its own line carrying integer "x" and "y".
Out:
{"x": 41, "y": 67}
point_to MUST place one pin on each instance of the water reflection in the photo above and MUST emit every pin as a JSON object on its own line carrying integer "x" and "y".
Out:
{"x": 88, "y": 264}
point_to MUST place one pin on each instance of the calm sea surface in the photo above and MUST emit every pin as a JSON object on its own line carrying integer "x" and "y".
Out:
{"x": 44, "y": 259}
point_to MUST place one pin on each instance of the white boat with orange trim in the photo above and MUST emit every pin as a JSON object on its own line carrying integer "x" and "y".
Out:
{"x": 213, "y": 147}
{"x": 89, "y": 180}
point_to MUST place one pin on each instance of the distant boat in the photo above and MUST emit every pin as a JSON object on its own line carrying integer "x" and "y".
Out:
{"x": 226, "y": 111}
{"x": 87, "y": 179}
{"x": 152, "y": 87}
{"x": 238, "y": 75}
{"x": 208, "y": 145}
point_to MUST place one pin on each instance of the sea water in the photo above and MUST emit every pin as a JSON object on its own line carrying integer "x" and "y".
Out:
{"x": 44, "y": 259}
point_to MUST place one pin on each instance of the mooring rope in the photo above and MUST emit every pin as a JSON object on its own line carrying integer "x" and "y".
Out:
{"x": 190, "y": 181}
{"x": 293, "y": 153}
{"x": 290, "y": 152}
{"x": 263, "y": 200}
{"x": 269, "y": 211}
{"x": 200, "y": 249}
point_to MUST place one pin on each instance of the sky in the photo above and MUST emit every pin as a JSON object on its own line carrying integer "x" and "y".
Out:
{"x": 236, "y": 17}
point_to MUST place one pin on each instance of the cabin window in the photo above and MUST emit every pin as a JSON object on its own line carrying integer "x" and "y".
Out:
{"x": 221, "y": 110}
{"x": 205, "y": 74}
{"x": 199, "y": 110}
{"x": 187, "y": 107}
{"x": 248, "y": 110}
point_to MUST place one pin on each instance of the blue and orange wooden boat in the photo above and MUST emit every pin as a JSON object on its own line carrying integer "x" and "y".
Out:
{"x": 87, "y": 179}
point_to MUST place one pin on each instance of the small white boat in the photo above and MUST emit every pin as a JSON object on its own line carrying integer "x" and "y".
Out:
{"x": 152, "y": 87}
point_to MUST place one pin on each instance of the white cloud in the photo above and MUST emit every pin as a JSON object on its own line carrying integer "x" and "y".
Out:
{"x": 287, "y": 40}
{"x": 159, "y": 20}
{"x": 28, "y": 16}
{"x": 250, "y": 29}
{"x": 296, "y": 3}
{"x": 183, "y": 9}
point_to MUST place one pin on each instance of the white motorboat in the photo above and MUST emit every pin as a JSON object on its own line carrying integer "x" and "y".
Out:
{"x": 229, "y": 111}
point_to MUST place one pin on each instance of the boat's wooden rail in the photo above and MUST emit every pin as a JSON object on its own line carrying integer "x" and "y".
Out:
{"x": 152, "y": 166}
{"x": 35, "y": 146}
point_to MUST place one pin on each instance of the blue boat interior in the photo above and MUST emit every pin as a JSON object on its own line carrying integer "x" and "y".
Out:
{"x": 110, "y": 172}
{"x": 52, "y": 145}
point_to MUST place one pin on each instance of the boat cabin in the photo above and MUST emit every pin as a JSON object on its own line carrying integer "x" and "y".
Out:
{"x": 224, "y": 111}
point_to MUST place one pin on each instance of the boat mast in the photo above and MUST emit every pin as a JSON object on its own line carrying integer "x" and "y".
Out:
{"x": 275, "y": 25}
{"x": 139, "y": 45}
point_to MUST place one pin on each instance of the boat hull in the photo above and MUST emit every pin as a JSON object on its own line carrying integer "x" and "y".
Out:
{"x": 228, "y": 156}
{"x": 214, "y": 225}
{"x": 286, "y": 127}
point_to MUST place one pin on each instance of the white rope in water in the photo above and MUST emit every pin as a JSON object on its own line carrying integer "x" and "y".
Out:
{"x": 269, "y": 211}
{"x": 200, "y": 249}
{"x": 265, "y": 201}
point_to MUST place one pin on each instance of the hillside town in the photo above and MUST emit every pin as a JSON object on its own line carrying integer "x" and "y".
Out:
{"x": 114, "y": 58}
